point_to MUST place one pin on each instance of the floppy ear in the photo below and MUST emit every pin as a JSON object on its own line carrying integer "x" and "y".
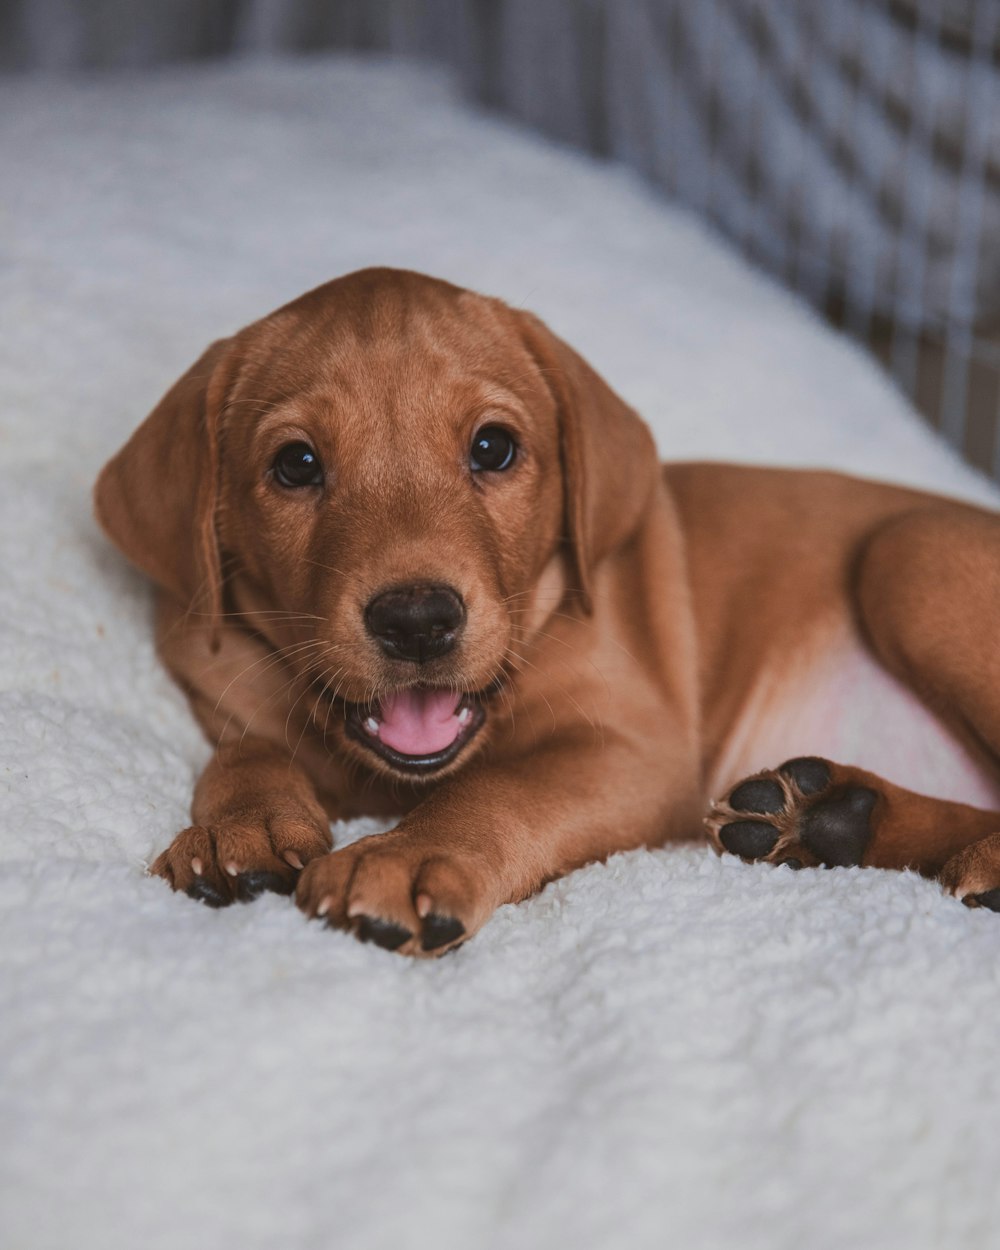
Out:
{"x": 157, "y": 498}
{"x": 610, "y": 463}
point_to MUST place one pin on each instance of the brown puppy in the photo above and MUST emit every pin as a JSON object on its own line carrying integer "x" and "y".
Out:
{"x": 415, "y": 557}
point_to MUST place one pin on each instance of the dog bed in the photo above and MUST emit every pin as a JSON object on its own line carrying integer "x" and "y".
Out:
{"x": 666, "y": 1049}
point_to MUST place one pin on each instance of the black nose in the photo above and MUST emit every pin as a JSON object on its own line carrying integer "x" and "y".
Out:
{"x": 416, "y": 623}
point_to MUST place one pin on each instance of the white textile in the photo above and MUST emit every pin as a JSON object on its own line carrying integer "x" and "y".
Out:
{"x": 666, "y": 1050}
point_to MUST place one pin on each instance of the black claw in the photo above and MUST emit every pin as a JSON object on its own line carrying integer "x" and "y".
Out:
{"x": 382, "y": 932}
{"x": 251, "y": 885}
{"x": 838, "y": 830}
{"x": 809, "y": 773}
{"x": 201, "y": 890}
{"x": 750, "y": 839}
{"x": 758, "y": 795}
{"x": 794, "y": 864}
{"x": 989, "y": 899}
{"x": 439, "y": 931}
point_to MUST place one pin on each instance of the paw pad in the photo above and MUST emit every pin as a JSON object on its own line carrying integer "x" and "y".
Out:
{"x": 438, "y": 931}
{"x": 752, "y": 839}
{"x": 251, "y": 885}
{"x": 758, "y": 795}
{"x": 382, "y": 933}
{"x": 810, "y": 818}
{"x": 204, "y": 892}
{"x": 838, "y": 829}
{"x": 809, "y": 774}
{"x": 989, "y": 899}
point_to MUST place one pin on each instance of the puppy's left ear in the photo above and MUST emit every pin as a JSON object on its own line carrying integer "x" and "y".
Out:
{"x": 610, "y": 463}
{"x": 156, "y": 499}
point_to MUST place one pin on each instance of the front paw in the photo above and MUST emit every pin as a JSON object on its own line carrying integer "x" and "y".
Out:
{"x": 241, "y": 857}
{"x": 398, "y": 892}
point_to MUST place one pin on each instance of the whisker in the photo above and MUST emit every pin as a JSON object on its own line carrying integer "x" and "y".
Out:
{"x": 518, "y": 661}
{"x": 269, "y": 613}
{"x": 591, "y": 663}
{"x": 331, "y": 701}
{"x": 598, "y": 729}
{"x": 310, "y": 717}
{"x": 270, "y": 660}
{"x": 320, "y": 565}
{"x": 508, "y": 702}
{"x": 565, "y": 616}
{"x": 283, "y": 689}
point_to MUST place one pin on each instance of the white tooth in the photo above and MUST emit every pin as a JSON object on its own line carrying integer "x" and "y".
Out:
{"x": 464, "y": 715}
{"x": 371, "y": 724}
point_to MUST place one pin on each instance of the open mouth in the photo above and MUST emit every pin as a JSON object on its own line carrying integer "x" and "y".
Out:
{"x": 417, "y": 730}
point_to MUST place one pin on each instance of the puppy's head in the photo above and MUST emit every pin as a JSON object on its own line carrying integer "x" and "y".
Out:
{"x": 395, "y": 481}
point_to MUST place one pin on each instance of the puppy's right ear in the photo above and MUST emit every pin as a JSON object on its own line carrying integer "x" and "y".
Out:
{"x": 157, "y": 498}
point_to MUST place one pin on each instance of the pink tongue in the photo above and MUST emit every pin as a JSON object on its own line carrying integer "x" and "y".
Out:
{"x": 419, "y": 722}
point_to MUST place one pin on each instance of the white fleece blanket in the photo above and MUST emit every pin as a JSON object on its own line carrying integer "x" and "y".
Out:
{"x": 666, "y": 1050}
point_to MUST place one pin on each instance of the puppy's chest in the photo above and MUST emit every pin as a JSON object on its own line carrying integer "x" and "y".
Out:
{"x": 836, "y": 701}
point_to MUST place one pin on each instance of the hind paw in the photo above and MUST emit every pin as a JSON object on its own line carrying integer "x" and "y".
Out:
{"x": 973, "y": 875}
{"x": 806, "y": 813}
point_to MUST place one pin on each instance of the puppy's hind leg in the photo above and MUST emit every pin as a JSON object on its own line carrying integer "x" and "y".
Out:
{"x": 928, "y": 597}
{"x": 811, "y": 812}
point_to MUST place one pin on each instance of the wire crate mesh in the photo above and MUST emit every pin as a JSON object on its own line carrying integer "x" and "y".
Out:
{"x": 850, "y": 147}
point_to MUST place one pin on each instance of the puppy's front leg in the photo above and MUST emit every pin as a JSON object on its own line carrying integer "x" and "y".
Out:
{"x": 257, "y": 823}
{"x": 495, "y": 835}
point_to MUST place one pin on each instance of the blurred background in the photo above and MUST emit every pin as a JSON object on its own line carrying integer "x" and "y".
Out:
{"x": 851, "y": 148}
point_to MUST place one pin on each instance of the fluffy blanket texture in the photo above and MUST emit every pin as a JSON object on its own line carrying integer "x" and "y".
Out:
{"x": 665, "y": 1050}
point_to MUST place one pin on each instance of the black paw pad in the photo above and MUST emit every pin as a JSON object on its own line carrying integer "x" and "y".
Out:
{"x": 838, "y": 830}
{"x": 206, "y": 893}
{"x": 758, "y": 795}
{"x": 251, "y": 885}
{"x": 809, "y": 773}
{"x": 439, "y": 931}
{"x": 750, "y": 839}
{"x": 989, "y": 899}
{"x": 382, "y": 932}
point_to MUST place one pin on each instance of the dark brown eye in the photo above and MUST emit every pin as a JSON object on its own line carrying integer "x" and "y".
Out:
{"x": 296, "y": 464}
{"x": 493, "y": 450}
